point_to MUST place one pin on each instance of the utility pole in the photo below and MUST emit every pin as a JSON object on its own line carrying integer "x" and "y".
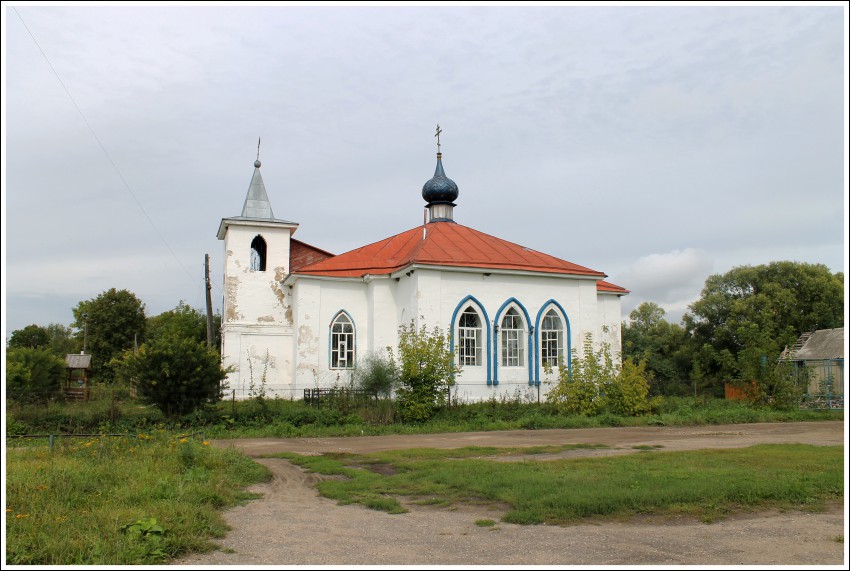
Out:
{"x": 209, "y": 300}
{"x": 85, "y": 331}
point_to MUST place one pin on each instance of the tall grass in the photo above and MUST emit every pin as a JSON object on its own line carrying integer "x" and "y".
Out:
{"x": 119, "y": 501}
{"x": 706, "y": 483}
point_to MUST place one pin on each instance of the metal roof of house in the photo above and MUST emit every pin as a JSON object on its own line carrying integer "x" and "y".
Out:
{"x": 74, "y": 361}
{"x": 447, "y": 244}
{"x": 823, "y": 344}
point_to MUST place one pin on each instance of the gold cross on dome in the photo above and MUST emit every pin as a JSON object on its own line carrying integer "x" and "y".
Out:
{"x": 438, "y": 137}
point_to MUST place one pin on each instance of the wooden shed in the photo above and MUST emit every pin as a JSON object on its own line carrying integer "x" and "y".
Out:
{"x": 821, "y": 352}
{"x": 77, "y": 368}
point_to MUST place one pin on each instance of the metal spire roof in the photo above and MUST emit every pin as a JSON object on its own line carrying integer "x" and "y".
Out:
{"x": 257, "y": 208}
{"x": 257, "y": 203}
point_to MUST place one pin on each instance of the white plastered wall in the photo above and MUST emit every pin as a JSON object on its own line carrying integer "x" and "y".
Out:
{"x": 378, "y": 305}
{"x": 257, "y": 320}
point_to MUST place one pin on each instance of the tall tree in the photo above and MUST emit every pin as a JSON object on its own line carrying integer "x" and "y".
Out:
{"x": 663, "y": 345}
{"x": 31, "y": 336}
{"x": 112, "y": 323}
{"x": 745, "y": 317}
{"x": 183, "y": 321}
{"x": 62, "y": 340}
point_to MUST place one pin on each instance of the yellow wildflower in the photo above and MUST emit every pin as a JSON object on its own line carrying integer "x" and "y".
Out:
{"x": 21, "y": 516}
{"x": 182, "y": 440}
{"x": 206, "y": 442}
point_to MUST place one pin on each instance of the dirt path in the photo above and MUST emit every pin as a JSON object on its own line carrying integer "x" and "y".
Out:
{"x": 292, "y": 525}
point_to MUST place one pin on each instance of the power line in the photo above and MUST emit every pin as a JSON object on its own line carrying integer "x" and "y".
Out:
{"x": 105, "y": 152}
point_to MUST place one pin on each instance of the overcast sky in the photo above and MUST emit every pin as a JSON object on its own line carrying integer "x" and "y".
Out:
{"x": 657, "y": 144}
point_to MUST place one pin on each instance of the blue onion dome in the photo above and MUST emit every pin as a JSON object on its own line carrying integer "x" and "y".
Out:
{"x": 440, "y": 189}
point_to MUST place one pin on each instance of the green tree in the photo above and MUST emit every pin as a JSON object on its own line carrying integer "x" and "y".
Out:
{"x": 62, "y": 340}
{"x": 175, "y": 374}
{"x": 112, "y": 323}
{"x": 183, "y": 321}
{"x": 33, "y": 375}
{"x": 426, "y": 372}
{"x": 663, "y": 345}
{"x": 31, "y": 336}
{"x": 752, "y": 312}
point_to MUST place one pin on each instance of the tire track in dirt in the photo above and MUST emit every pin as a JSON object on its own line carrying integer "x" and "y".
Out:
{"x": 292, "y": 525}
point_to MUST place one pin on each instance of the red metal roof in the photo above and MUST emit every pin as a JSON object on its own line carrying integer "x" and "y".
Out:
{"x": 609, "y": 287}
{"x": 445, "y": 244}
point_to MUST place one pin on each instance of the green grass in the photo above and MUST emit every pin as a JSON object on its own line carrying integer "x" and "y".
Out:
{"x": 278, "y": 418}
{"x": 120, "y": 501}
{"x": 706, "y": 484}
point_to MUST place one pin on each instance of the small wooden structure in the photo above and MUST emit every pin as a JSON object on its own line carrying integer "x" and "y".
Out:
{"x": 821, "y": 353}
{"x": 77, "y": 381}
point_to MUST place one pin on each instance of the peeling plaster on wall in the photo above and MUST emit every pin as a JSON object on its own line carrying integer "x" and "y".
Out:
{"x": 231, "y": 285}
{"x": 266, "y": 319}
{"x": 288, "y": 315}
{"x": 279, "y": 273}
{"x": 279, "y": 293}
{"x": 307, "y": 343}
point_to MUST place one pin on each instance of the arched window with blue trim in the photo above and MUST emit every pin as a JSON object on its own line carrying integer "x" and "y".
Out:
{"x": 552, "y": 339}
{"x": 342, "y": 342}
{"x": 512, "y": 334}
{"x": 469, "y": 346}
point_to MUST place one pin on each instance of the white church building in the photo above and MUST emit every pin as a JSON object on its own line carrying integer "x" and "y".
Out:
{"x": 300, "y": 317}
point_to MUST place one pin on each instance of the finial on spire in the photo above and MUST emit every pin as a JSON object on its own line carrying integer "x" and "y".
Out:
{"x": 438, "y": 137}
{"x": 257, "y": 163}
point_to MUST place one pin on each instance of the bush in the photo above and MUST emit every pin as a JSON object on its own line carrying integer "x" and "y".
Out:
{"x": 595, "y": 384}
{"x": 580, "y": 389}
{"x": 627, "y": 394}
{"x": 33, "y": 375}
{"x": 426, "y": 371}
{"x": 376, "y": 374}
{"x": 175, "y": 374}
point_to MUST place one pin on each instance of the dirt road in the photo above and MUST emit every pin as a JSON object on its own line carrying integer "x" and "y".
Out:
{"x": 292, "y": 525}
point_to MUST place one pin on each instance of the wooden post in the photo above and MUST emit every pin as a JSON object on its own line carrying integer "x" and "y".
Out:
{"x": 209, "y": 300}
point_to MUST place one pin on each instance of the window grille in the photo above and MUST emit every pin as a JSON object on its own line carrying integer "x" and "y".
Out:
{"x": 551, "y": 339}
{"x": 512, "y": 333}
{"x": 342, "y": 343}
{"x": 469, "y": 338}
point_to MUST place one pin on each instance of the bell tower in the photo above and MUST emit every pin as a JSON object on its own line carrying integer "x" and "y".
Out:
{"x": 256, "y": 321}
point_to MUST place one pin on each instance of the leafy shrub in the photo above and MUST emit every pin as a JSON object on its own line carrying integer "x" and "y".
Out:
{"x": 33, "y": 375}
{"x": 175, "y": 374}
{"x": 376, "y": 374}
{"x": 580, "y": 388}
{"x": 627, "y": 393}
{"x": 426, "y": 371}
